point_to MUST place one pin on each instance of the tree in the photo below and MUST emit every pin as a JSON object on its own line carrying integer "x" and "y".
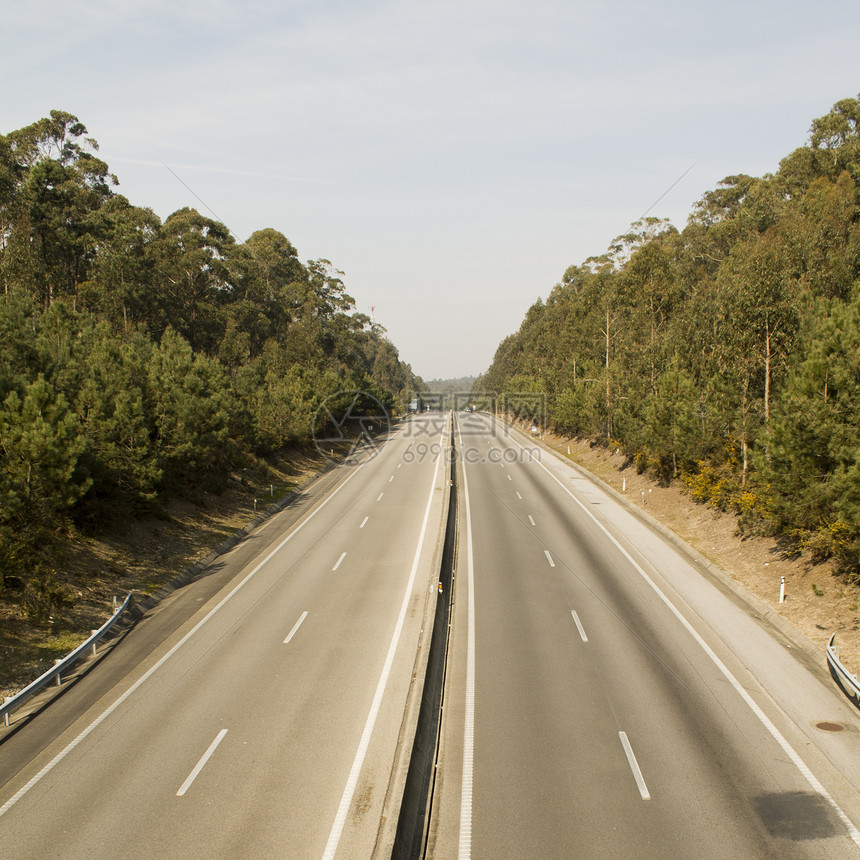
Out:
{"x": 648, "y": 284}
{"x": 50, "y": 218}
{"x": 139, "y": 359}
{"x": 270, "y": 287}
{"x": 40, "y": 446}
{"x": 758, "y": 322}
{"x": 110, "y": 400}
{"x": 119, "y": 286}
{"x": 835, "y": 138}
{"x": 811, "y": 462}
{"x": 191, "y": 277}
{"x": 192, "y": 408}
{"x": 671, "y": 423}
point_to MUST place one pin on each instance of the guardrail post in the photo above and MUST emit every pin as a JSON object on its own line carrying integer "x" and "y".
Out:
{"x": 10, "y": 703}
{"x": 845, "y": 679}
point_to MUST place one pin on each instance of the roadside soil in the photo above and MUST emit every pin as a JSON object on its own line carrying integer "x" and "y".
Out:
{"x": 144, "y": 554}
{"x": 138, "y": 557}
{"x": 818, "y": 600}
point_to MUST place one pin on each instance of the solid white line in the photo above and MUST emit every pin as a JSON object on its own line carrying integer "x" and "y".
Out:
{"x": 200, "y": 764}
{"x": 549, "y": 558}
{"x": 579, "y": 626}
{"x": 634, "y": 766}
{"x": 337, "y": 563}
{"x": 295, "y": 628}
{"x": 466, "y": 787}
{"x": 724, "y": 670}
{"x": 352, "y": 779}
{"x": 379, "y": 496}
{"x": 363, "y": 522}
{"x": 531, "y": 520}
{"x": 153, "y": 669}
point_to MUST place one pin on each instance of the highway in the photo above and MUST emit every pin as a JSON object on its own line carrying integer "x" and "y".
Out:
{"x": 605, "y": 700}
{"x": 268, "y": 722}
{"x": 603, "y": 697}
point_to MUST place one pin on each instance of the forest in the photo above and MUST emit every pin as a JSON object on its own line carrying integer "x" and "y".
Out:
{"x": 725, "y": 356}
{"x": 141, "y": 358}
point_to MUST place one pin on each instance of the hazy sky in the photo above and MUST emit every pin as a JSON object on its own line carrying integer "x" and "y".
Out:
{"x": 451, "y": 158}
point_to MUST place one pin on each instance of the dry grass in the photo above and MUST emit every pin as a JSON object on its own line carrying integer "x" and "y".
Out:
{"x": 145, "y": 554}
{"x": 818, "y": 601}
{"x": 140, "y": 556}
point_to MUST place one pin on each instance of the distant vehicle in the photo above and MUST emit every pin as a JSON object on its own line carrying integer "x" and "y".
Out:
{"x": 416, "y": 405}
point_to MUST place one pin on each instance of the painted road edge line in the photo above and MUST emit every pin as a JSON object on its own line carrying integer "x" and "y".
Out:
{"x": 364, "y": 743}
{"x": 763, "y": 718}
{"x": 153, "y": 669}
{"x": 634, "y": 766}
{"x": 201, "y": 764}
{"x": 295, "y": 628}
{"x": 467, "y": 781}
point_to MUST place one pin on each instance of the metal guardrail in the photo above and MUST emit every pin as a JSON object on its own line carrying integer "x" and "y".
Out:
{"x": 848, "y": 682}
{"x": 55, "y": 673}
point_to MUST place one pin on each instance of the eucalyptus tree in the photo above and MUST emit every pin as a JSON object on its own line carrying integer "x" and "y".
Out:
{"x": 810, "y": 465}
{"x": 50, "y": 219}
{"x": 191, "y": 277}
{"x": 119, "y": 288}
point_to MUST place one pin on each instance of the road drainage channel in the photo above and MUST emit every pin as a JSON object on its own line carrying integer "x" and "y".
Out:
{"x": 412, "y": 824}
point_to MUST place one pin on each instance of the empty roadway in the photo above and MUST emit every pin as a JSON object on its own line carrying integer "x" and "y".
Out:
{"x": 269, "y": 722}
{"x": 604, "y": 699}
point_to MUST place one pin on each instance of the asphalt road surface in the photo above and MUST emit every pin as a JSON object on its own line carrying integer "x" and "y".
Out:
{"x": 268, "y": 723}
{"x": 606, "y": 700}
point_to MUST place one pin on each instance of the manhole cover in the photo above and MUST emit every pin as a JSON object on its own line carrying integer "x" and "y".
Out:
{"x": 829, "y": 727}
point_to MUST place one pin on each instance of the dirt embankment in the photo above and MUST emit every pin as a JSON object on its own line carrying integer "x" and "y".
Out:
{"x": 137, "y": 556}
{"x": 144, "y": 554}
{"x": 818, "y": 601}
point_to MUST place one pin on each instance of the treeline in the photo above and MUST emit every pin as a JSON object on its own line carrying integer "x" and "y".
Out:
{"x": 726, "y": 355}
{"x": 138, "y": 358}
{"x": 458, "y": 385}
